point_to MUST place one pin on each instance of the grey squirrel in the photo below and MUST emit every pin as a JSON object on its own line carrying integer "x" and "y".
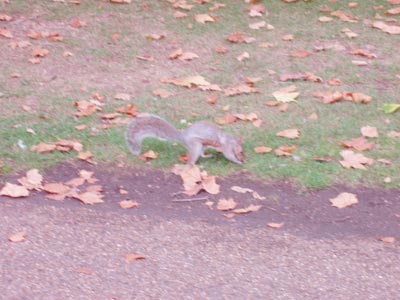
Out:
{"x": 197, "y": 137}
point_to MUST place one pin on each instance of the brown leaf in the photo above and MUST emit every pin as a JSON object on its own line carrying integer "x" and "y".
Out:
{"x": 387, "y": 239}
{"x": 226, "y": 204}
{"x": 56, "y": 188}
{"x": 354, "y": 160}
{"x": 360, "y": 144}
{"x": 87, "y": 155}
{"x": 300, "y": 53}
{"x": 257, "y": 25}
{"x": 363, "y": 53}
{"x": 4, "y": 17}
{"x": 14, "y": 191}
{"x": 126, "y": 204}
{"x": 179, "y": 15}
{"x": 292, "y": 133}
{"x": 344, "y": 200}
{"x": 210, "y": 185}
{"x": 162, "y": 93}
{"x": 109, "y": 116}
{"x": 17, "y": 237}
{"x": 77, "y": 23}
{"x": 149, "y": 155}
{"x": 129, "y": 109}
{"x": 239, "y": 89}
{"x": 275, "y": 225}
{"x": 33, "y": 180}
{"x": 212, "y": 99}
{"x": 89, "y": 198}
{"x": 246, "y": 210}
{"x": 344, "y": 16}
{"x": 285, "y": 150}
{"x": 4, "y": 32}
{"x": 241, "y": 190}
{"x": 42, "y": 148}
{"x": 262, "y": 149}
{"x": 204, "y": 18}
{"x": 236, "y": 37}
{"x": 189, "y": 81}
{"x": 227, "y": 119}
{"x": 131, "y": 257}
{"x": 369, "y": 131}
{"x": 243, "y": 56}
{"x": 391, "y": 29}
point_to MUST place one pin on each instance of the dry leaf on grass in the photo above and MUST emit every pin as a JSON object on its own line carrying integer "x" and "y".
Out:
{"x": 291, "y": 133}
{"x": 285, "y": 150}
{"x": 391, "y": 29}
{"x": 369, "y": 131}
{"x": 14, "y": 191}
{"x": 262, "y": 149}
{"x": 189, "y": 81}
{"x": 205, "y": 18}
{"x": 344, "y": 200}
{"x": 148, "y": 155}
{"x": 354, "y": 160}
{"x": 360, "y": 144}
{"x": 240, "y": 89}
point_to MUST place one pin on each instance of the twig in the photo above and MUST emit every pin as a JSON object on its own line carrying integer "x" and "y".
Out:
{"x": 190, "y": 199}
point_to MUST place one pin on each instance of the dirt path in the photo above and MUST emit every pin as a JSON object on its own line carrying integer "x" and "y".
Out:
{"x": 74, "y": 251}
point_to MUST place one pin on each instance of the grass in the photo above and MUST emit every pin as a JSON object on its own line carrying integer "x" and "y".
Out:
{"x": 108, "y": 65}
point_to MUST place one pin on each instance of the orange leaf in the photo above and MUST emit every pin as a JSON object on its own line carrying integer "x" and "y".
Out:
{"x": 14, "y": 191}
{"x": 344, "y": 200}
{"x": 292, "y": 133}
{"x": 262, "y": 149}
{"x": 130, "y": 257}
{"x": 17, "y": 237}
{"x": 128, "y": 204}
{"x": 56, "y": 188}
{"x": 226, "y": 204}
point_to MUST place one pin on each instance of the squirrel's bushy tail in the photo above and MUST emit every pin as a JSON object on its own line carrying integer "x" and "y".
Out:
{"x": 147, "y": 125}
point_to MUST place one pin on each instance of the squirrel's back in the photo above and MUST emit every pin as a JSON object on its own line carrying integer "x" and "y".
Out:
{"x": 148, "y": 125}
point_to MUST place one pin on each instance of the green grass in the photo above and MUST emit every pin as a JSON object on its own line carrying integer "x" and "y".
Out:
{"x": 101, "y": 64}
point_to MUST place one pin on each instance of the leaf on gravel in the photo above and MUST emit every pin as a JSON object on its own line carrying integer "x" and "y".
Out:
{"x": 369, "y": 131}
{"x": 246, "y": 210}
{"x": 40, "y": 52}
{"x": 210, "y": 185}
{"x": 387, "y": 239}
{"x": 344, "y": 200}
{"x": 360, "y": 144}
{"x": 291, "y": 133}
{"x": 241, "y": 190}
{"x": 86, "y": 156}
{"x": 17, "y": 237}
{"x": 131, "y": 257}
{"x": 126, "y": 204}
{"x": 14, "y": 190}
{"x": 89, "y": 198}
{"x": 4, "y": 17}
{"x": 56, "y": 188}
{"x": 354, "y": 160}
{"x": 262, "y": 149}
{"x": 4, "y": 32}
{"x": 226, "y": 204}
{"x": 275, "y": 225}
{"x": 32, "y": 180}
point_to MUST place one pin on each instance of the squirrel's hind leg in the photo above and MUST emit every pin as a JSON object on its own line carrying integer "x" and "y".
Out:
{"x": 195, "y": 150}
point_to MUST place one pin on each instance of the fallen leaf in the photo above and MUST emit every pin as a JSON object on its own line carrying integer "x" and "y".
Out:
{"x": 285, "y": 150}
{"x": 344, "y": 16}
{"x": 56, "y": 188}
{"x": 4, "y": 17}
{"x": 126, "y": 204}
{"x": 188, "y": 56}
{"x": 179, "y": 15}
{"x": 363, "y": 53}
{"x": 239, "y": 89}
{"x": 287, "y": 37}
{"x": 227, "y": 119}
{"x": 246, "y": 210}
{"x": 286, "y": 95}
{"x": 275, "y": 225}
{"x": 212, "y": 99}
{"x": 344, "y": 200}
{"x": 262, "y": 149}
{"x": 189, "y": 81}
{"x": 257, "y": 25}
{"x": 87, "y": 155}
{"x": 84, "y": 271}
{"x": 360, "y": 63}
{"x": 389, "y": 108}
{"x": 204, "y": 18}
{"x": 236, "y": 37}
{"x": 360, "y": 144}
{"x": 89, "y": 198}
{"x": 243, "y": 56}
{"x": 391, "y": 29}
{"x": 387, "y": 239}
{"x": 148, "y": 155}
{"x": 131, "y": 257}
{"x": 32, "y": 180}
{"x": 77, "y": 23}
{"x": 226, "y": 204}
{"x": 4, "y": 32}
{"x": 292, "y": 133}
{"x": 14, "y": 191}
{"x": 241, "y": 190}
{"x": 369, "y": 131}
{"x": 300, "y": 53}
{"x": 209, "y": 184}
{"x": 354, "y": 160}
{"x": 17, "y": 237}
{"x": 324, "y": 19}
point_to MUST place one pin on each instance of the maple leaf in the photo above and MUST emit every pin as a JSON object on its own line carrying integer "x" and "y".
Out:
{"x": 246, "y": 210}
{"x": 344, "y": 200}
{"x": 292, "y": 133}
{"x": 89, "y": 198}
{"x": 33, "y": 180}
{"x": 56, "y": 188}
{"x": 262, "y": 149}
{"x": 360, "y": 144}
{"x": 179, "y": 15}
{"x": 43, "y": 147}
{"x": 14, "y": 191}
{"x": 354, "y": 160}
{"x": 189, "y": 81}
{"x": 162, "y": 93}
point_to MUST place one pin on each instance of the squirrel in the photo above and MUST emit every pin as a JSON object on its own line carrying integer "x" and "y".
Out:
{"x": 197, "y": 137}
